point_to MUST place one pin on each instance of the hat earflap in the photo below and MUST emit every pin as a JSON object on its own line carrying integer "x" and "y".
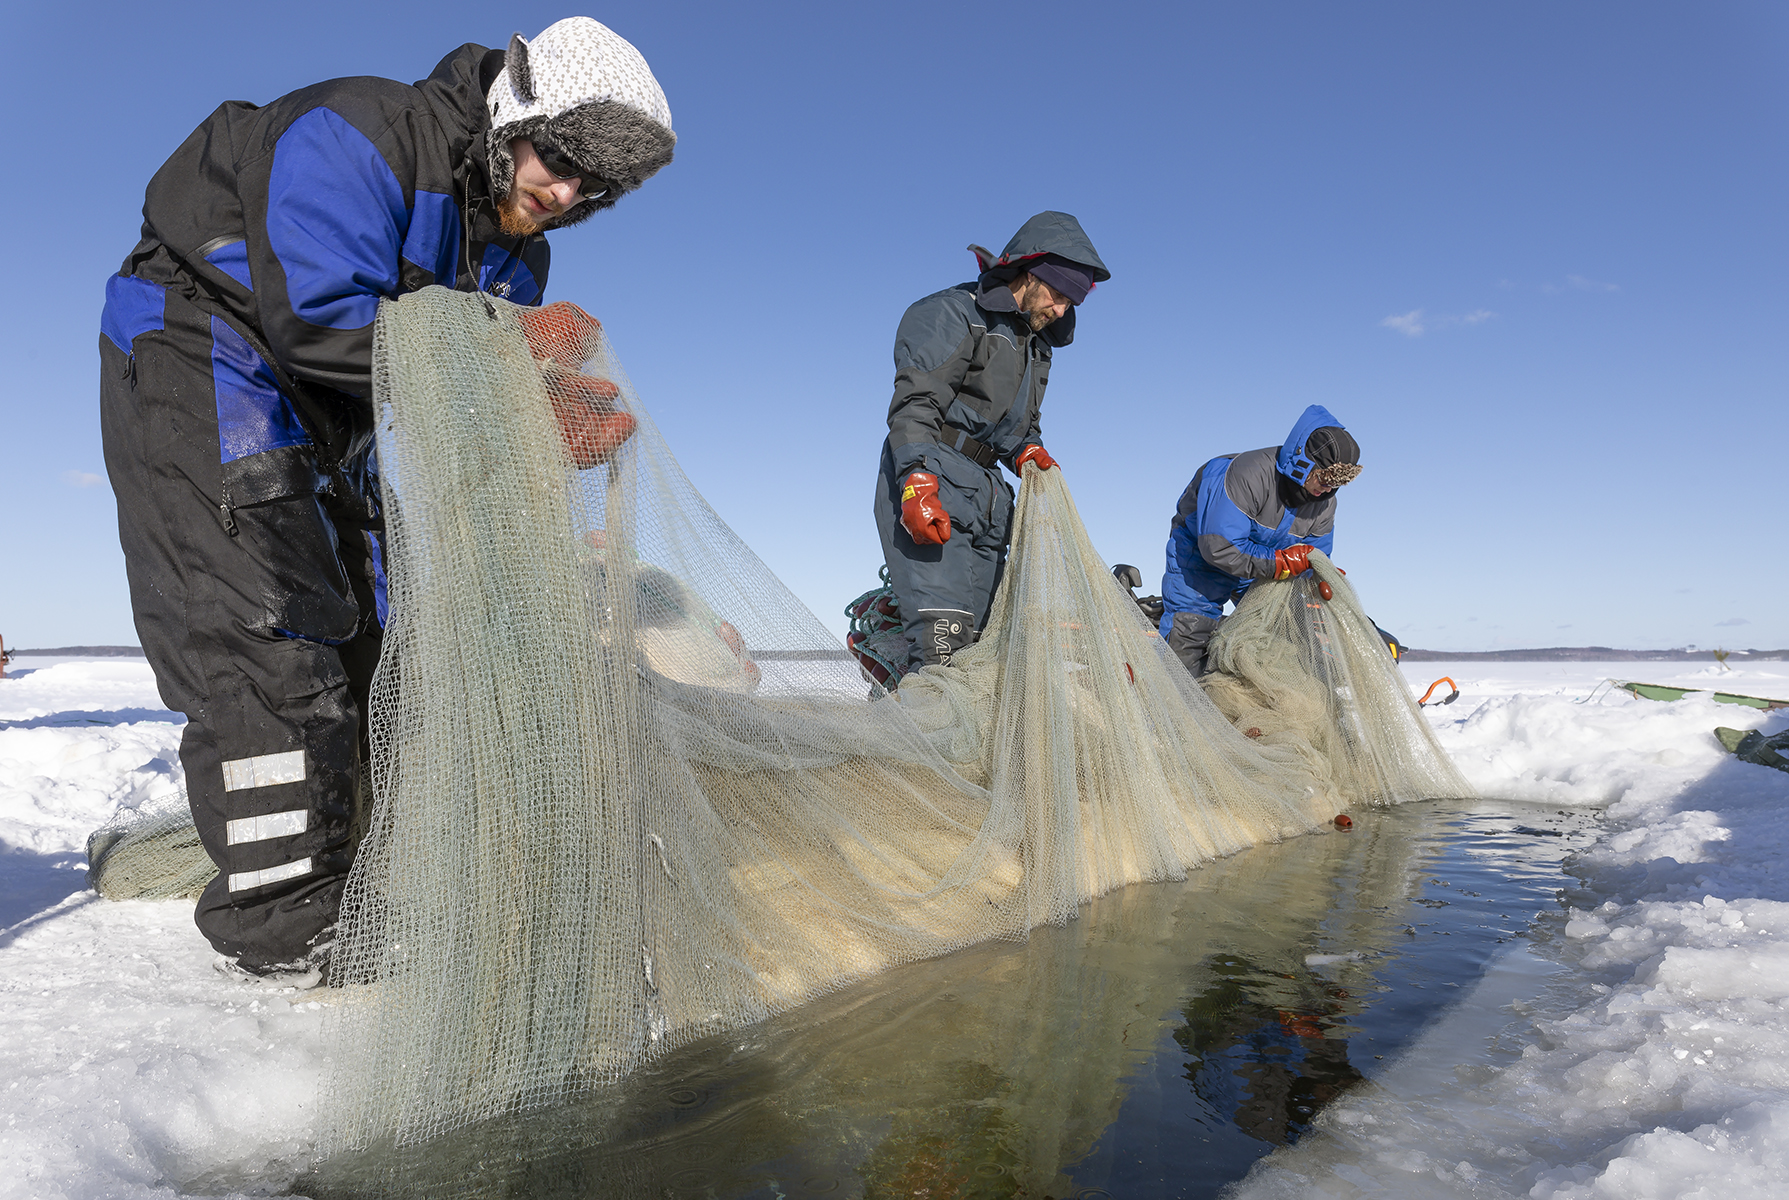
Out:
{"x": 521, "y": 77}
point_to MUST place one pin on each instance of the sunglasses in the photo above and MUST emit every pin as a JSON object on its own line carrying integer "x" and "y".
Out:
{"x": 560, "y": 165}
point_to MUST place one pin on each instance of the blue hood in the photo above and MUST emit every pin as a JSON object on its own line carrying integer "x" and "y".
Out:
{"x": 1292, "y": 462}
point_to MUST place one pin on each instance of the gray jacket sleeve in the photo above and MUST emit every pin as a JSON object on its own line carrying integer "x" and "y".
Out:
{"x": 933, "y": 350}
{"x": 1228, "y": 525}
{"x": 1033, "y": 434}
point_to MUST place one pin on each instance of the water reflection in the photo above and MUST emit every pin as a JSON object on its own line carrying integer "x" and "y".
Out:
{"x": 1261, "y": 1056}
{"x": 1155, "y": 1047}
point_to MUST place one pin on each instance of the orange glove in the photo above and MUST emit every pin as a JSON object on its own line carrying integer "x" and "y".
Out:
{"x": 589, "y": 424}
{"x": 1034, "y": 454}
{"x": 922, "y": 513}
{"x": 1293, "y": 560}
{"x": 562, "y": 337}
{"x": 562, "y": 334}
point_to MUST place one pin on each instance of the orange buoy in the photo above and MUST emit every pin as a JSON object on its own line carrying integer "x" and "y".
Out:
{"x": 1344, "y": 821}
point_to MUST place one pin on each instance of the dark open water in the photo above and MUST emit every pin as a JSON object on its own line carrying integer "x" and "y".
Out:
{"x": 1154, "y": 1048}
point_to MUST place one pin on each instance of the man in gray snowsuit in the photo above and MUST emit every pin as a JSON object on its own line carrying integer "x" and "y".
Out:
{"x": 971, "y": 364}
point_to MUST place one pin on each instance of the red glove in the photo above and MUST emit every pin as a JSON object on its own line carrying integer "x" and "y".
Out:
{"x": 562, "y": 337}
{"x": 922, "y": 513}
{"x": 589, "y": 424}
{"x": 1034, "y": 454}
{"x": 562, "y": 334}
{"x": 1293, "y": 560}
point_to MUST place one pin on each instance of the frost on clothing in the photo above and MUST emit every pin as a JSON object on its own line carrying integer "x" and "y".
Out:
{"x": 236, "y": 353}
{"x": 968, "y": 365}
{"x": 1238, "y": 510}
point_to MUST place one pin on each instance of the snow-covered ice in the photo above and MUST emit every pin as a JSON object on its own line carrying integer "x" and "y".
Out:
{"x": 1655, "y": 1054}
{"x": 1645, "y": 1053}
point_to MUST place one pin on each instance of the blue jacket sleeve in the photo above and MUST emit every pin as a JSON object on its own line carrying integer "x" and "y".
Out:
{"x": 1227, "y": 537}
{"x": 342, "y": 230}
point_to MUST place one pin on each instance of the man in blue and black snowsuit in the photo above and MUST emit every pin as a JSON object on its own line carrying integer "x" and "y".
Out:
{"x": 236, "y": 354}
{"x": 971, "y": 364}
{"x": 1251, "y": 516}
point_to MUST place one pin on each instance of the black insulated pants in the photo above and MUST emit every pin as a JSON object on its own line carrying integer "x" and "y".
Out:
{"x": 253, "y": 585}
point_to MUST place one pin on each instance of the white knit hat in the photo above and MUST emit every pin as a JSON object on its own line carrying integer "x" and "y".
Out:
{"x": 587, "y": 89}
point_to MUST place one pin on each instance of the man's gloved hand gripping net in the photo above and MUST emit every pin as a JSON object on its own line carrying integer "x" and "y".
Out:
{"x": 563, "y": 337}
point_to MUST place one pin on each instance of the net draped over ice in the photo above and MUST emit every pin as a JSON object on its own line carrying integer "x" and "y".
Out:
{"x": 151, "y": 852}
{"x": 630, "y": 792}
{"x": 1312, "y": 676}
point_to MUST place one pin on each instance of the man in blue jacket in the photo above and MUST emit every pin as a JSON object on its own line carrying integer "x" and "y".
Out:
{"x": 971, "y": 364}
{"x": 1251, "y": 516}
{"x": 236, "y": 355}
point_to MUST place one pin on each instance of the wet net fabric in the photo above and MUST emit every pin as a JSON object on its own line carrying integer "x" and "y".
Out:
{"x": 1313, "y": 679}
{"x": 151, "y": 852}
{"x": 630, "y": 793}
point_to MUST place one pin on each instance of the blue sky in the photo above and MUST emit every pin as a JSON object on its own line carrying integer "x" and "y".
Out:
{"x": 1532, "y": 254}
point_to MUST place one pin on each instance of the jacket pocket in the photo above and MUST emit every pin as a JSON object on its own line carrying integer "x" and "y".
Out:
{"x": 275, "y": 504}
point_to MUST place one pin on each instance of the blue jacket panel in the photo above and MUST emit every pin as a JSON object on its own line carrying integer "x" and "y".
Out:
{"x": 290, "y": 221}
{"x": 1238, "y": 510}
{"x": 1292, "y": 461}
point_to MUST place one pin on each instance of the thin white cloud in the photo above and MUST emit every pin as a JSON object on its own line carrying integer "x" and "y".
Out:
{"x": 1580, "y": 283}
{"x": 82, "y": 479}
{"x": 1731, "y": 621}
{"x": 1410, "y": 324}
{"x": 1417, "y": 322}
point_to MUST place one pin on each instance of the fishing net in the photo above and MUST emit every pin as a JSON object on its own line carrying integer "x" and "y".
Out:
{"x": 151, "y": 852}
{"x": 1311, "y": 676}
{"x": 630, "y": 793}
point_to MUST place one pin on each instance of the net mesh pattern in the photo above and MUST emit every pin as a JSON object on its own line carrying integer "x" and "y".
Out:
{"x": 150, "y": 852}
{"x": 630, "y": 793}
{"x": 1312, "y": 678}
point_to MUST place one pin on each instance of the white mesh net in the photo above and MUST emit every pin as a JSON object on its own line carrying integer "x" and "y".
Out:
{"x": 150, "y": 852}
{"x": 630, "y": 792}
{"x": 600, "y": 833}
{"x": 1312, "y": 677}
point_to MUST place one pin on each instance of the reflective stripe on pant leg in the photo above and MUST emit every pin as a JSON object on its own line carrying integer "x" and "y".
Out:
{"x": 242, "y": 881}
{"x": 263, "y": 770}
{"x": 269, "y": 825}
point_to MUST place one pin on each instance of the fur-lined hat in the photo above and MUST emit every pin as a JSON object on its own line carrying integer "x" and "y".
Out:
{"x": 586, "y": 89}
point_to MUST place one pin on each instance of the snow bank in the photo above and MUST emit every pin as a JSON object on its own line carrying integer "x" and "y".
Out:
{"x": 128, "y": 1061}
{"x": 125, "y": 1060}
{"x": 1640, "y": 1049}
{"x": 1652, "y": 1056}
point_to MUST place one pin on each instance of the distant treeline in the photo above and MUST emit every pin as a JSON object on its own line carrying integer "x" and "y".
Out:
{"x": 84, "y": 652}
{"x": 1590, "y": 654}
